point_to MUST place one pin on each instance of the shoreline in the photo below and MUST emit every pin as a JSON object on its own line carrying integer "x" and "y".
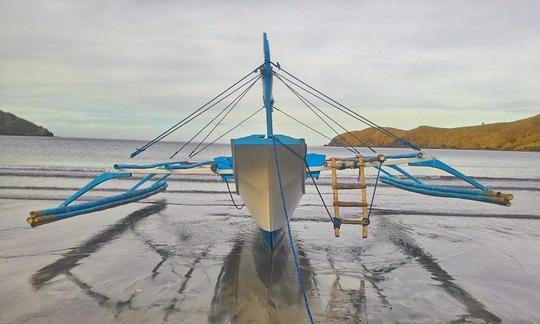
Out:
{"x": 444, "y": 148}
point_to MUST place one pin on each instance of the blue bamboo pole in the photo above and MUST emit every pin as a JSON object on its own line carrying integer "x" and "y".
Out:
{"x": 54, "y": 214}
{"x": 65, "y": 210}
{"x": 164, "y": 165}
{"x": 105, "y": 176}
{"x": 447, "y": 192}
{"x": 405, "y": 173}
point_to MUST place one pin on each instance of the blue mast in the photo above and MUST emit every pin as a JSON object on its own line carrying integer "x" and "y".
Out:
{"x": 266, "y": 71}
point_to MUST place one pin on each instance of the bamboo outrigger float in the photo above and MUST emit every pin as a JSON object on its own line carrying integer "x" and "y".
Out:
{"x": 270, "y": 170}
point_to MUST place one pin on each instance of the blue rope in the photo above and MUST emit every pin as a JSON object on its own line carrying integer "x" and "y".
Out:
{"x": 374, "y": 189}
{"x": 230, "y": 195}
{"x": 295, "y": 257}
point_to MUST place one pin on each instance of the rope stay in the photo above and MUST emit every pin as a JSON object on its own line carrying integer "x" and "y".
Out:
{"x": 311, "y": 107}
{"x": 347, "y": 131}
{"x": 233, "y": 105}
{"x": 310, "y": 128}
{"x": 375, "y": 188}
{"x": 230, "y": 195}
{"x": 291, "y": 242}
{"x": 311, "y": 176}
{"x": 205, "y": 107}
{"x": 343, "y": 108}
{"x": 335, "y": 221}
{"x": 301, "y": 123}
{"x": 327, "y": 116}
{"x": 213, "y": 105}
{"x": 309, "y": 104}
{"x": 227, "y": 132}
{"x": 334, "y": 103}
{"x": 228, "y": 108}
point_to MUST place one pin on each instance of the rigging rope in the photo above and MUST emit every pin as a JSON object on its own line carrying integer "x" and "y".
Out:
{"x": 204, "y": 107}
{"x": 374, "y": 189}
{"x": 230, "y": 107}
{"x": 227, "y": 132}
{"x": 311, "y": 128}
{"x": 302, "y": 123}
{"x": 332, "y": 102}
{"x": 224, "y": 116}
{"x": 335, "y": 221}
{"x": 308, "y": 104}
{"x": 230, "y": 195}
{"x": 343, "y": 128}
{"x": 320, "y": 110}
{"x": 311, "y": 176}
{"x": 339, "y": 106}
{"x": 291, "y": 242}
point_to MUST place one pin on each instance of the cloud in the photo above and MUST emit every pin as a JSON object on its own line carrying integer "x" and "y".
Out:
{"x": 140, "y": 65}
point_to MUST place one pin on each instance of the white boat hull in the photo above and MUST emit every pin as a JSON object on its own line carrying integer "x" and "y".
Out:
{"x": 258, "y": 182}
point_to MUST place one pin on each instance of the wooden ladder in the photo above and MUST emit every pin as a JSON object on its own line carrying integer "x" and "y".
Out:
{"x": 361, "y": 184}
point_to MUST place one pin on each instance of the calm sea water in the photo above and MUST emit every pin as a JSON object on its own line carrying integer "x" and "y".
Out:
{"x": 188, "y": 255}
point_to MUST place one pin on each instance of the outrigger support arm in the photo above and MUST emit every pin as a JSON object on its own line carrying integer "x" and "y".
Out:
{"x": 478, "y": 192}
{"x": 222, "y": 166}
{"x": 105, "y": 176}
{"x": 134, "y": 193}
{"x": 65, "y": 210}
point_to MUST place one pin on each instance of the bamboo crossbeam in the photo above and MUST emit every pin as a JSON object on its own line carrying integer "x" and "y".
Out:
{"x": 348, "y": 164}
{"x": 355, "y": 221}
{"x": 350, "y": 204}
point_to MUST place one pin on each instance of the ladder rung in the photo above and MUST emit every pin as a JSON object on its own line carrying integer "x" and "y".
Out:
{"x": 354, "y": 185}
{"x": 354, "y": 221}
{"x": 349, "y": 204}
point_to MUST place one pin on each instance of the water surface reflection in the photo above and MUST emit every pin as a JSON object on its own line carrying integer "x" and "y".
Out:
{"x": 257, "y": 285}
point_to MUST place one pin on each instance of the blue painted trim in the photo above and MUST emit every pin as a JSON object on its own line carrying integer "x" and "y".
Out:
{"x": 224, "y": 163}
{"x": 315, "y": 160}
{"x": 257, "y": 139}
{"x": 267, "y": 86}
{"x": 272, "y": 239}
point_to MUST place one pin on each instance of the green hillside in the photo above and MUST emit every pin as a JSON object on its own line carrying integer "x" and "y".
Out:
{"x": 520, "y": 135}
{"x": 13, "y": 125}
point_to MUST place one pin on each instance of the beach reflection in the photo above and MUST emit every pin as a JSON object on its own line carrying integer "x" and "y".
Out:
{"x": 259, "y": 285}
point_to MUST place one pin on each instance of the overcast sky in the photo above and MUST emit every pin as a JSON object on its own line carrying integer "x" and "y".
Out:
{"x": 129, "y": 69}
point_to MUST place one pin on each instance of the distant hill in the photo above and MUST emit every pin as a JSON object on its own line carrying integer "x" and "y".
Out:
{"x": 13, "y": 125}
{"x": 520, "y": 135}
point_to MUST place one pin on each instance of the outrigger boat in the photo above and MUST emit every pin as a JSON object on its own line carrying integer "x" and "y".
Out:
{"x": 270, "y": 170}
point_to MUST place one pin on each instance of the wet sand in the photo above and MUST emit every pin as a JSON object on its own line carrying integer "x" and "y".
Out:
{"x": 156, "y": 262}
{"x": 188, "y": 256}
